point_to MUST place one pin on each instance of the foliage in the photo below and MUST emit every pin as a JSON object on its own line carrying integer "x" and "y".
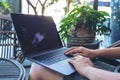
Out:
{"x": 5, "y": 6}
{"x": 46, "y": 3}
{"x": 52, "y": 2}
{"x": 83, "y": 15}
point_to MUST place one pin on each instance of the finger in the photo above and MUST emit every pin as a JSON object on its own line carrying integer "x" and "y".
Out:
{"x": 73, "y": 51}
{"x": 72, "y": 61}
{"x": 81, "y": 54}
{"x": 77, "y": 58}
{"x": 70, "y": 52}
{"x": 70, "y": 49}
{"x": 76, "y": 54}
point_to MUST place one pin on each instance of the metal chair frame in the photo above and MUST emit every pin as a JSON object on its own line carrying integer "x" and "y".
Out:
{"x": 9, "y": 44}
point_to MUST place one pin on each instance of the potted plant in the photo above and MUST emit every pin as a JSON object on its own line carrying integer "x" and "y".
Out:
{"x": 82, "y": 24}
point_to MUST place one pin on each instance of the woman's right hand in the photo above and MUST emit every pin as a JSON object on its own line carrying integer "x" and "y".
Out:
{"x": 82, "y": 51}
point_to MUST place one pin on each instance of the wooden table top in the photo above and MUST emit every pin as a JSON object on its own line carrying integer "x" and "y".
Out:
{"x": 11, "y": 70}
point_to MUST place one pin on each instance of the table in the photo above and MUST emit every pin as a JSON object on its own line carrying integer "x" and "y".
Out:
{"x": 11, "y": 70}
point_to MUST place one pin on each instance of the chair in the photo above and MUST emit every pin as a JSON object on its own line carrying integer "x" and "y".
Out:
{"x": 112, "y": 61}
{"x": 9, "y": 45}
{"x": 115, "y": 44}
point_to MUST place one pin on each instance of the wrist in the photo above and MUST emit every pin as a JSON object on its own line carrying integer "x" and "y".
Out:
{"x": 87, "y": 71}
{"x": 90, "y": 72}
{"x": 99, "y": 52}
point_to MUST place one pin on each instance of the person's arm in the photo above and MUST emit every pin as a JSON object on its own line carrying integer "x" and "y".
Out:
{"x": 108, "y": 52}
{"x": 85, "y": 67}
{"x": 91, "y": 53}
{"x": 99, "y": 74}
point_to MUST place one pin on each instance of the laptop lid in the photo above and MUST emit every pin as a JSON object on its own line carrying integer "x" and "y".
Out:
{"x": 36, "y": 33}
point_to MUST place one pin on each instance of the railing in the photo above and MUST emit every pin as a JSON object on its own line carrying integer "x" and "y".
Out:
{"x": 8, "y": 39}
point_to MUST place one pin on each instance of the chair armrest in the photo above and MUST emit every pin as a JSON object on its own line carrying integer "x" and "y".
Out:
{"x": 115, "y": 44}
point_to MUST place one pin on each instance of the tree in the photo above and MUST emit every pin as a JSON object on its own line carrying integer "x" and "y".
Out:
{"x": 43, "y": 5}
{"x": 95, "y": 4}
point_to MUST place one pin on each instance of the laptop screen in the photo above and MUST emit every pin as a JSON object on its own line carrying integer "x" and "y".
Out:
{"x": 36, "y": 33}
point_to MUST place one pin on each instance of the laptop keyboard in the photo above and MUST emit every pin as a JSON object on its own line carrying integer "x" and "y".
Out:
{"x": 52, "y": 57}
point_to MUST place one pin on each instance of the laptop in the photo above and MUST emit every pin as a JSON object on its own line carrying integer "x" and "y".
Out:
{"x": 40, "y": 42}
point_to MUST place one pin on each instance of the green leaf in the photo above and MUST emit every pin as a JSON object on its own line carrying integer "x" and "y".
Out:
{"x": 104, "y": 13}
{"x": 5, "y": 5}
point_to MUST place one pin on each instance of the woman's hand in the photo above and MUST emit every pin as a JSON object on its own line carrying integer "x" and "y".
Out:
{"x": 81, "y": 64}
{"x": 82, "y": 51}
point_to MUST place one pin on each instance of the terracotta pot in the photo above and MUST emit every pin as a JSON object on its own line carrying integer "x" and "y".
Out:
{"x": 81, "y": 36}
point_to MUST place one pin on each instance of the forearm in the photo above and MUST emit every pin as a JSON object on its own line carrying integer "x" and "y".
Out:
{"x": 109, "y": 52}
{"x": 99, "y": 74}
